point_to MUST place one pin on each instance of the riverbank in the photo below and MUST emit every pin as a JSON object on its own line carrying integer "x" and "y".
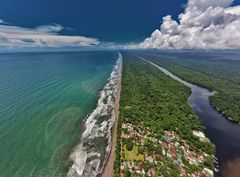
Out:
{"x": 224, "y": 133}
{"x": 212, "y": 70}
{"x": 156, "y": 132}
{"x": 108, "y": 170}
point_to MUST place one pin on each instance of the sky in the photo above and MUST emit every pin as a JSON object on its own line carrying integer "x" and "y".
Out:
{"x": 107, "y": 20}
{"x": 129, "y": 23}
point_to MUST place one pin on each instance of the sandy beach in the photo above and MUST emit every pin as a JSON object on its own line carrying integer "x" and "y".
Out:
{"x": 108, "y": 170}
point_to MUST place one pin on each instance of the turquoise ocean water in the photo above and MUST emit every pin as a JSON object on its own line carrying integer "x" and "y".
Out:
{"x": 44, "y": 98}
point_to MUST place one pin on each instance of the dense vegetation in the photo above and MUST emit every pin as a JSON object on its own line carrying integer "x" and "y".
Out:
{"x": 154, "y": 103}
{"x": 220, "y": 73}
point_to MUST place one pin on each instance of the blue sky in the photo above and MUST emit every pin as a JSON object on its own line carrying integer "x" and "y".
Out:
{"x": 108, "y": 23}
{"x": 107, "y": 20}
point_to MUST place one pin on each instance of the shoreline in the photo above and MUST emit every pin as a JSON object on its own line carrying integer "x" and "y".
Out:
{"x": 88, "y": 156}
{"x": 108, "y": 169}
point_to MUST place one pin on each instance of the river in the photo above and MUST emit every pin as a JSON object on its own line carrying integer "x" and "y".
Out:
{"x": 222, "y": 132}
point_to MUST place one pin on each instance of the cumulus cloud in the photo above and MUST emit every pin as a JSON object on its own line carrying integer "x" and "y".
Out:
{"x": 205, "y": 24}
{"x": 41, "y": 36}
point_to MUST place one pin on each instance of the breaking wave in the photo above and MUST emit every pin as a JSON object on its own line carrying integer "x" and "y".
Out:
{"x": 90, "y": 155}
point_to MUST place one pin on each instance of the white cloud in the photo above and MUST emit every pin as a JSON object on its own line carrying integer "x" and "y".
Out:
{"x": 233, "y": 10}
{"x": 50, "y": 28}
{"x": 41, "y": 36}
{"x": 205, "y": 24}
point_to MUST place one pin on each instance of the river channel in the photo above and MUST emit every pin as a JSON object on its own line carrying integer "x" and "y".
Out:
{"x": 222, "y": 132}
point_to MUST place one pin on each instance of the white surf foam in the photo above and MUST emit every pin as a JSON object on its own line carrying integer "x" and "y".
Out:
{"x": 90, "y": 155}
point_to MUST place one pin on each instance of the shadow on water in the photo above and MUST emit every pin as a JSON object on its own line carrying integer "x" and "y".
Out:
{"x": 222, "y": 132}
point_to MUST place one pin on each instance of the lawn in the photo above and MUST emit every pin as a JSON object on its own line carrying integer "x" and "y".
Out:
{"x": 133, "y": 154}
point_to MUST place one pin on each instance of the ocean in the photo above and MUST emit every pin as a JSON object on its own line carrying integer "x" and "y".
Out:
{"x": 48, "y": 102}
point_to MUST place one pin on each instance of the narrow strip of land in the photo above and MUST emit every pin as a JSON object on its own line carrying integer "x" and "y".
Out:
{"x": 108, "y": 170}
{"x": 227, "y": 145}
{"x": 159, "y": 134}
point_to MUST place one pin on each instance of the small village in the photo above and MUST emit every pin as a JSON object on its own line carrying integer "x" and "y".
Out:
{"x": 149, "y": 156}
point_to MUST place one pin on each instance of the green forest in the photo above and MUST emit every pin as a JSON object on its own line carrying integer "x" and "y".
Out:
{"x": 154, "y": 113}
{"x": 219, "y": 74}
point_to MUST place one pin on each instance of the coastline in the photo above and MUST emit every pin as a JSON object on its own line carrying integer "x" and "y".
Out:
{"x": 91, "y": 155}
{"x": 108, "y": 169}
